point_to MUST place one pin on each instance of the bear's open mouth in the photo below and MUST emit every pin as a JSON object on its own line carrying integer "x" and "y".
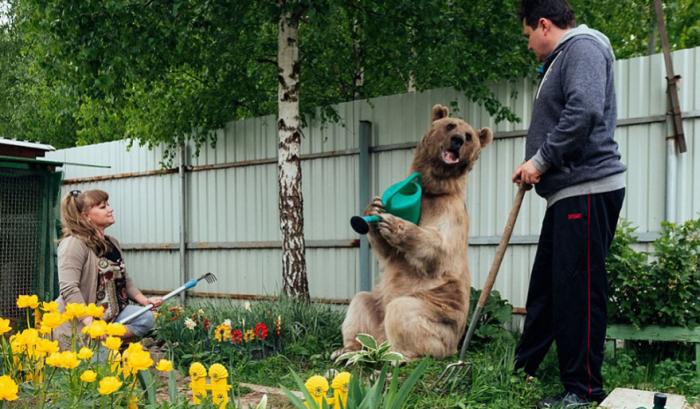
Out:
{"x": 450, "y": 157}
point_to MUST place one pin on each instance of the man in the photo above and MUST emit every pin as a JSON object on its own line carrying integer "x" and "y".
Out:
{"x": 575, "y": 165}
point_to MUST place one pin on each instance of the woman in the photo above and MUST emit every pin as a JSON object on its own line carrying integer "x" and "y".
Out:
{"x": 91, "y": 266}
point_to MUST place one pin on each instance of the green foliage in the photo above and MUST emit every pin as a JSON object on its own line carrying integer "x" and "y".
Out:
{"x": 165, "y": 72}
{"x": 378, "y": 395}
{"x": 372, "y": 357}
{"x": 629, "y": 23}
{"x": 658, "y": 289}
{"x": 627, "y": 368}
{"x": 494, "y": 318}
{"x": 307, "y": 332}
{"x": 162, "y": 72}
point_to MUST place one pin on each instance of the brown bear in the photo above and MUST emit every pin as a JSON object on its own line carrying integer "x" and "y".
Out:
{"x": 421, "y": 304}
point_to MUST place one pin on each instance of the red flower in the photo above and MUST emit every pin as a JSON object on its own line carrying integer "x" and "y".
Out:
{"x": 206, "y": 324}
{"x": 236, "y": 336}
{"x": 261, "y": 331}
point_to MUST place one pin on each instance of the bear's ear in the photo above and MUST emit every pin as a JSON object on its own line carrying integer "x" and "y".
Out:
{"x": 439, "y": 112}
{"x": 485, "y": 136}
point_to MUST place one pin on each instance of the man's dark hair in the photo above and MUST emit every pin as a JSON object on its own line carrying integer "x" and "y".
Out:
{"x": 558, "y": 11}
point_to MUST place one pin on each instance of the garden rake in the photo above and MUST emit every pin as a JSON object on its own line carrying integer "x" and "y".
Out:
{"x": 208, "y": 277}
{"x": 455, "y": 371}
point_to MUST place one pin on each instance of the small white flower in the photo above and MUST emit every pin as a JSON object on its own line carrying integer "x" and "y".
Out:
{"x": 247, "y": 305}
{"x": 200, "y": 312}
{"x": 227, "y": 322}
{"x": 189, "y": 323}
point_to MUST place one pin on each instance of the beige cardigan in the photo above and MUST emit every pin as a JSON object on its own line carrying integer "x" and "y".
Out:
{"x": 77, "y": 279}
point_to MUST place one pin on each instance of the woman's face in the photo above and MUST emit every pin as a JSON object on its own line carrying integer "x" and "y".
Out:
{"x": 101, "y": 215}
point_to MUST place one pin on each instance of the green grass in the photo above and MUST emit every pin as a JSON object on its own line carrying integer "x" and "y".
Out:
{"x": 312, "y": 332}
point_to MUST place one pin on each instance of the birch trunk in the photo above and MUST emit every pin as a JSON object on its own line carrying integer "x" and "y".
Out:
{"x": 291, "y": 202}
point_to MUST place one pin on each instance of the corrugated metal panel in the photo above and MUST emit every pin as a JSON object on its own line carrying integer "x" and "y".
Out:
{"x": 239, "y": 204}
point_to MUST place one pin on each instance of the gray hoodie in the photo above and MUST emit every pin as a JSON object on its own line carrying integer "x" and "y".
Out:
{"x": 570, "y": 138}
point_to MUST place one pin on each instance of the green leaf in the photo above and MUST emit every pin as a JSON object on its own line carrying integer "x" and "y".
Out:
{"x": 148, "y": 384}
{"x": 408, "y": 386}
{"x": 367, "y": 341}
{"x": 172, "y": 387}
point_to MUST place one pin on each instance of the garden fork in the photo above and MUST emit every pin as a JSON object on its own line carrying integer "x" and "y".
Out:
{"x": 454, "y": 371}
{"x": 208, "y": 277}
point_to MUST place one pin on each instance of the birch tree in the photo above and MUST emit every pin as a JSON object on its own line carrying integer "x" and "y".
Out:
{"x": 291, "y": 201}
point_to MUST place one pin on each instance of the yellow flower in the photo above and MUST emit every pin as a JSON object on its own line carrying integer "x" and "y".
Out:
{"x": 198, "y": 381}
{"x": 49, "y": 306}
{"x": 218, "y": 373}
{"x": 137, "y": 360}
{"x": 164, "y": 365}
{"x": 249, "y": 335}
{"x": 134, "y": 347}
{"x": 95, "y": 311}
{"x": 97, "y": 329}
{"x": 25, "y": 342}
{"x": 28, "y": 301}
{"x": 197, "y": 371}
{"x": 52, "y": 320}
{"x": 133, "y": 403}
{"x": 65, "y": 360}
{"x": 340, "y": 385}
{"x": 85, "y": 353}
{"x": 222, "y": 333}
{"x": 109, "y": 385}
{"x": 75, "y": 311}
{"x": 112, "y": 343}
{"x": 45, "y": 347}
{"x": 88, "y": 376}
{"x": 4, "y": 326}
{"x": 219, "y": 394}
{"x": 317, "y": 386}
{"x": 8, "y": 388}
{"x": 116, "y": 329}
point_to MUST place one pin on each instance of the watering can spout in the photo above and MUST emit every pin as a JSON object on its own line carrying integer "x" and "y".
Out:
{"x": 401, "y": 199}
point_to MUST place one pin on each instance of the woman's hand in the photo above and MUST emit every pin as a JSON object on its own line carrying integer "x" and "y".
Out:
{"x": 156, "y": 301}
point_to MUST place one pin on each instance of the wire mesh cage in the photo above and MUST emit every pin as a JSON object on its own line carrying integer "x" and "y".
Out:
{"x": 21, "y": 197}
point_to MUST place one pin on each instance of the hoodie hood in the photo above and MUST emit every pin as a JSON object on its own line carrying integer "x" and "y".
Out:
{"x": 584, "y": 30}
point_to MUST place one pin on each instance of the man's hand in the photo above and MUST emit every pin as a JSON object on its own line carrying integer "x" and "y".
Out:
{"x": 526, "y": 173}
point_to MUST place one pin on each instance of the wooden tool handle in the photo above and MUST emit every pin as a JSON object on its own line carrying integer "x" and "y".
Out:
{"x": 503, "y": 245}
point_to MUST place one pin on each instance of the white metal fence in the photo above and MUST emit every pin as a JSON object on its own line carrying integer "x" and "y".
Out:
{"x": 231, "y": 213}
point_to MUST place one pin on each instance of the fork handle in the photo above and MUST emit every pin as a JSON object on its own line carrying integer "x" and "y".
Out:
{"x": 495, "y": 265}
{"x": 142, "y": 310}
{"x": 470, "y": 330}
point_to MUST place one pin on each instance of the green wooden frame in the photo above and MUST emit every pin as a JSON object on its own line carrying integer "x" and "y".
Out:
{"x": 657, "y": 333}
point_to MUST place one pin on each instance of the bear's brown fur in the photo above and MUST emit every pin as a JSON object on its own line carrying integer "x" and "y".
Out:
{"x": 421, "y": 304}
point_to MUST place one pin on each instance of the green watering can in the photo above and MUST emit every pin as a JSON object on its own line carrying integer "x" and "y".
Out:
{"x": 401, "y": 199}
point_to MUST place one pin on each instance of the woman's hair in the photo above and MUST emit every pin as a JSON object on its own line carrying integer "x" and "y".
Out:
{"x": 558, "y": 11}
{"x": 73, "y": 209}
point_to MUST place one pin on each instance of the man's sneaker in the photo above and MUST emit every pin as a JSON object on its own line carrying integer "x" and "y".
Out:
{"x": 565, "y": 400}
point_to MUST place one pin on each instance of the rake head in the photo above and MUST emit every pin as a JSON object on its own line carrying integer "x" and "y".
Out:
{"x": 452, "y": 376}
{"x": 208, "y": 277}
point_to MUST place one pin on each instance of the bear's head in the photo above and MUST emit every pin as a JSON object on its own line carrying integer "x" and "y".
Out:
{"x": 448, "y": 150}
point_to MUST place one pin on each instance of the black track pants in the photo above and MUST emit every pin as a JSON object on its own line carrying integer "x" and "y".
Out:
{"x": 568, "y": 293}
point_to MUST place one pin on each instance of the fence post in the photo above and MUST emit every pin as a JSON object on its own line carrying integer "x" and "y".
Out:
{"x": 183, "y": 219}
{"x": 364, "y": 187}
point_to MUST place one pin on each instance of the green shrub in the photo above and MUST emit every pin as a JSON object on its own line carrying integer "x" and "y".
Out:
{"x": 494, "y": 318}
{"x": 662, "y": 288}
